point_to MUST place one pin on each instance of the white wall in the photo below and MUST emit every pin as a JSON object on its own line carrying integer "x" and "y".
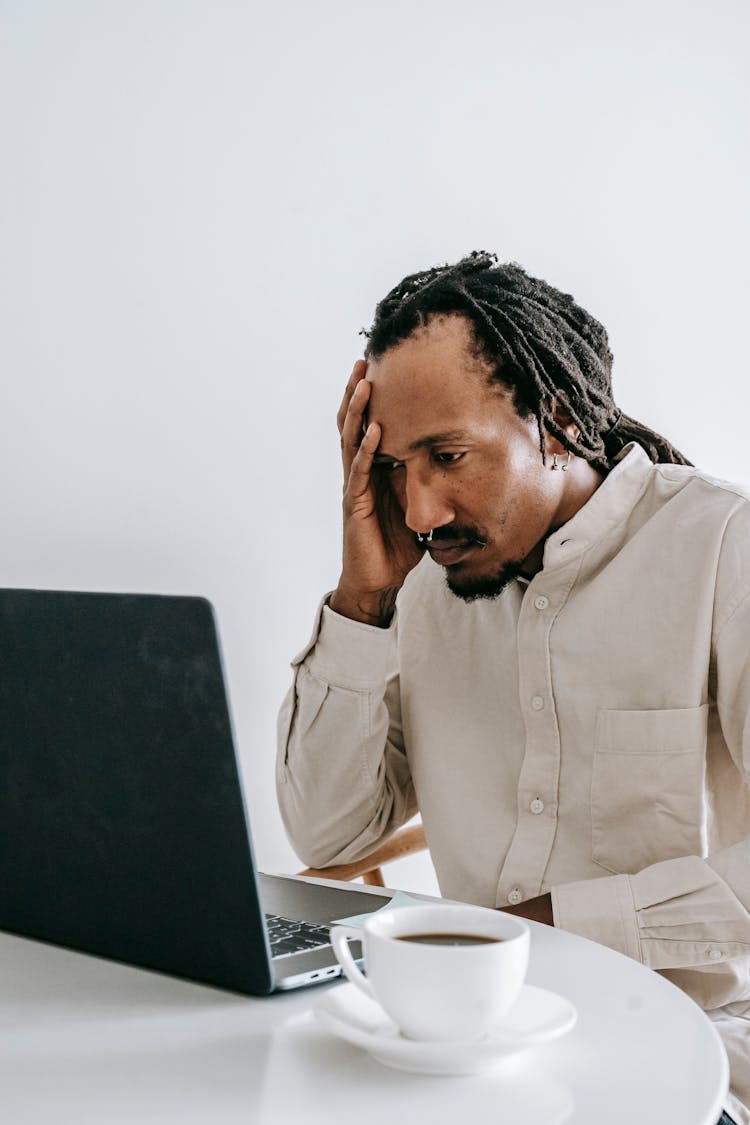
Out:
{"x": 201, "y": 202}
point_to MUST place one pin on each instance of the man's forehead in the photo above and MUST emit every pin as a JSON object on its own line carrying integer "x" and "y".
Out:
{"x": 415, "y": 420}
{"x": 431, "y": 385}
{"x": 444, "y": 386}
{"x": 443, "y": 380}
{"x": 422, "y": 407}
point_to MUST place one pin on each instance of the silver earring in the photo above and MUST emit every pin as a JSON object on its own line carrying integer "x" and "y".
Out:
{"x": 425, "y": 538}
{"x": 564, "y": 467}
{"x": 554, "y": 463}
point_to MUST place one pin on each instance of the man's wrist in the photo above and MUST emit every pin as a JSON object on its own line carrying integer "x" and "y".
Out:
{"x": 371, "y": 609}
{"x": 535, "y": 909}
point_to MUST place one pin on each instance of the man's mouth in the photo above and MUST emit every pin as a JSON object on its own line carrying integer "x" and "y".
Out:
{"x": 448, "y": 554}
{"x": 450, "y": 550}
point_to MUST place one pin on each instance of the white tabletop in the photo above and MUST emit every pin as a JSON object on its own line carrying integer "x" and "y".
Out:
{"x": 89, "y": 1041}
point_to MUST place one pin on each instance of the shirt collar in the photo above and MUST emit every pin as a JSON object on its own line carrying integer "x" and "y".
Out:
{"x": 612, "y": 502}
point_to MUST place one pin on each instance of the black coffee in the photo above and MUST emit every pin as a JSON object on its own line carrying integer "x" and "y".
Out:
{"x": 449, "y": 939}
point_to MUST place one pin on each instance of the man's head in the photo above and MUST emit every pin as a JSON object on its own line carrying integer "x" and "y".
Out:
{"x": 484, "y": 382}
{"x": 538, "y": 342}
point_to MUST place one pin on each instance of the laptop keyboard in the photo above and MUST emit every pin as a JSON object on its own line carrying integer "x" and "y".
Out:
{"x": 288, "y": 936}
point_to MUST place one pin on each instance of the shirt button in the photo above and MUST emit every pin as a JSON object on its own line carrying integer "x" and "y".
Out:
{"x": 515, "y": 897}
{"x": 537, "y": 806}
{"x": 537, "y": 702}
{"x": 541, "y": 602}
{"x": 715, "y": 954}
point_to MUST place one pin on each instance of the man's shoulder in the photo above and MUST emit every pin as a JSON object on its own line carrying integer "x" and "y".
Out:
{"x": 699, "y": 500}
{"x": 714, "y": 516}
{"x": 725, "y": 493}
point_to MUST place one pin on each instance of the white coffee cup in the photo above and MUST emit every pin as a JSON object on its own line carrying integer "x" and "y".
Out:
{"x": 434, "y": 990}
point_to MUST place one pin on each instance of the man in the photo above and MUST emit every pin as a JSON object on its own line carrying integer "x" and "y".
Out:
{"x": 540, "y": 639}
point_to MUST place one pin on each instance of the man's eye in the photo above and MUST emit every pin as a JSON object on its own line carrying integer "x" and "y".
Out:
{"x": 389, "y": 466}
{"x": 447, "y": 458}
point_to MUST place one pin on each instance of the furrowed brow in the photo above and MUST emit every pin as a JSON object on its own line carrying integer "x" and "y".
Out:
{"x": 438, "y": 439}
{"x": 426, "y": 442}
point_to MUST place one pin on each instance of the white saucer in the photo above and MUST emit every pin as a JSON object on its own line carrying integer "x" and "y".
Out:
{"x": 536, "y": 1017}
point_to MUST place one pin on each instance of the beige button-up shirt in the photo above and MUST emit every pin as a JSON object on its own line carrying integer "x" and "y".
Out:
{"x": 586, "y": 734}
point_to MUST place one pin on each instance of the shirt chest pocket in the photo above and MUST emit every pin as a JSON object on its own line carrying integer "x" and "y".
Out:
{"x": 647, "y": 787}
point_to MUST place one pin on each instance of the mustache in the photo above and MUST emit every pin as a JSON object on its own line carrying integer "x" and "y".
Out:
{"x": 460, "y": 535}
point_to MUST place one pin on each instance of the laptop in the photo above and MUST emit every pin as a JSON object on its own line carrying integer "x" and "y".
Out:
{"x": 123, "y": 826}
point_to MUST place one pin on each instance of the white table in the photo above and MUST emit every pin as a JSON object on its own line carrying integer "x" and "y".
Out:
{"x": 89, "y": 1041}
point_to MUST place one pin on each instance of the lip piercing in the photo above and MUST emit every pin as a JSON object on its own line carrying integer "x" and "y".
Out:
{"x": 425, "y": 538}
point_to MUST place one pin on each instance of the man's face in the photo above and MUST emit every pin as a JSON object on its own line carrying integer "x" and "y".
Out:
{"x": 461, "y": 461}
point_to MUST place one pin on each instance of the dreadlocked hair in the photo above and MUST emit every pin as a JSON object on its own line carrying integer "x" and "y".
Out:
{"x": 549, "y": 351}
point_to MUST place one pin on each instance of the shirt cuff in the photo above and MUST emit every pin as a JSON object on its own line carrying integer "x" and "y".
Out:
{"x": 602, "y": 910}
{"x": 349, "y": 654}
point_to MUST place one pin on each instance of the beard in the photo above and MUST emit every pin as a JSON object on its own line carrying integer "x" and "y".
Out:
{"x": 469, "y": 589}
{"x": 484, "y": 586}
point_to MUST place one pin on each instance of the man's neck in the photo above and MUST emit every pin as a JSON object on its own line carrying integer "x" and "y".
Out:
{"x": 580, "y": 486}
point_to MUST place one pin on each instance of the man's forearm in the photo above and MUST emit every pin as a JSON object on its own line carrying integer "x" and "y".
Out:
{"x": 342, "y": 783}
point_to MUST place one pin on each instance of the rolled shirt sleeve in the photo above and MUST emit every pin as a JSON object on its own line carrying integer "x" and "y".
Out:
{"x": 673, "y": 915}
{"x": 343, "y": 782}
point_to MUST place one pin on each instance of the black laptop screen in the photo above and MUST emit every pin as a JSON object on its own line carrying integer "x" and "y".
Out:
{"x": 123, "y": 829}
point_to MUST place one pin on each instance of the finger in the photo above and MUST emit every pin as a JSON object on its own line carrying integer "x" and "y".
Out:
{"x": 358, "y": 373}
{"x": 351, "y": 432}
{"x": 361, "y": 468}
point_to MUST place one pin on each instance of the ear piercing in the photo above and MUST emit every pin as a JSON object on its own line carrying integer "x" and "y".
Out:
{"x": 555, "y": 465}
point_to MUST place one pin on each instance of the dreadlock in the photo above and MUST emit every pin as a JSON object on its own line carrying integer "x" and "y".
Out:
{"x": 549, "y": 351}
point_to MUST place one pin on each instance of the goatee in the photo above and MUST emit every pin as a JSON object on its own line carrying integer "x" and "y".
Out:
{"x": 485, "y": 586}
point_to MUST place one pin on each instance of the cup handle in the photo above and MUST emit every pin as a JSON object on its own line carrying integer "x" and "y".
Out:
{"x": 340, "y": 938}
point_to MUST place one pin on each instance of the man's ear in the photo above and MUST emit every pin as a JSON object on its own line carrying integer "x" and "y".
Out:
{"x": 563, "y": 420}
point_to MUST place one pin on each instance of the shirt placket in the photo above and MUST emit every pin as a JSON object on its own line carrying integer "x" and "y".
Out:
{"x": 537, "y": 799}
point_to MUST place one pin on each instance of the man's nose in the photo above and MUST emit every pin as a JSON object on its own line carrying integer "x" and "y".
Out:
{"x": 425, "y": 505}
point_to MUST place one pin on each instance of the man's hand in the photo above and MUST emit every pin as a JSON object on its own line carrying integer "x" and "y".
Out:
{"x": 535, "y": 909}
{"x": 379, "y": 549}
